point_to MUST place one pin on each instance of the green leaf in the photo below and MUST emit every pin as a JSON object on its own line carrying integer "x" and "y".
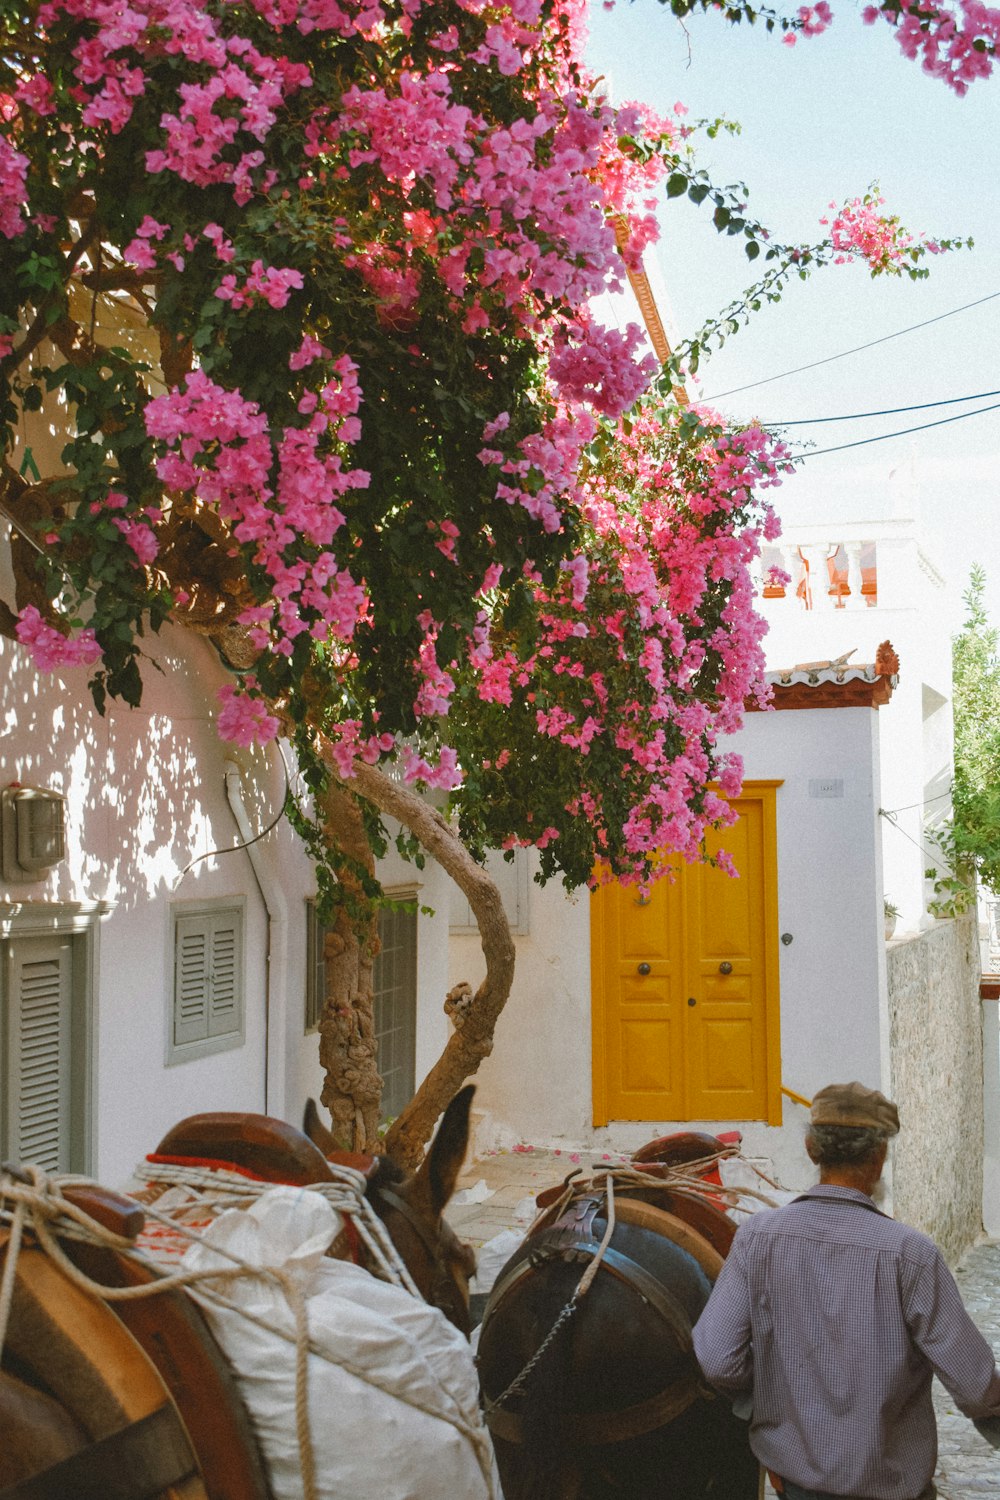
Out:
{"x": 677, "y": 185}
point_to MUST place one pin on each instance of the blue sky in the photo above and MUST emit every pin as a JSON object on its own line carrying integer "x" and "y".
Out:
{"x": 820, "y": 121}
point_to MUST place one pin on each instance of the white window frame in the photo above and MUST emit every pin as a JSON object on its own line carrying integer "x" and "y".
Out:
{"x": 209, "y": 912}
{"x": 513, "y": 878}
{"x": 81, "y": 921}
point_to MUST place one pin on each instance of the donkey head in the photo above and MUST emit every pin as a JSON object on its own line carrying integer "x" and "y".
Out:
{"x": 411, "y": 1205}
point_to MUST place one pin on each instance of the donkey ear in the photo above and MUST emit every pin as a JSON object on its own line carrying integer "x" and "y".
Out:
{"x": 317, "y": 1131}
{"x": 446, "y": 1157}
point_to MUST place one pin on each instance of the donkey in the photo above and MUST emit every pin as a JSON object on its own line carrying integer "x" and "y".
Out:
{"x": 411, "y": 1205}
{"x": 598, "y": 1397}
{"x": 42, "y": 1414}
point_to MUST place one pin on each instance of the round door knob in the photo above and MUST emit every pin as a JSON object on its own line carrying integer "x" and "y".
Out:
{"x": 644, "y": 968}
{"x": 692, "y": 1000}
{"x": 725, "y": 967}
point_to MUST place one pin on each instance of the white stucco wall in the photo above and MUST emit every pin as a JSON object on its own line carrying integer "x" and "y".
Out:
{"x": 917, "y": 609}
{"x": 536, "y": 1086}
{"x": 145, "y": 796}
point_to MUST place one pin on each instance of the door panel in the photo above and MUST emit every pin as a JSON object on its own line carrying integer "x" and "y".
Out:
{"x": 685, "y": 984}
{"x": 642, "y": 1042}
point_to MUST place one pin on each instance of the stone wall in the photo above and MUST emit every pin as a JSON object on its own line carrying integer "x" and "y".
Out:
{"x": 936, "y": 1057}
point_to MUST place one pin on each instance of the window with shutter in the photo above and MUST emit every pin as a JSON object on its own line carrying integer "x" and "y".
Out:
{"x": 208, "y": 981}
{"x": 315, "y": 967}
{"x": 37, "y": 1050}
{"x": 513, "y": 880}
{"x": 49, "y": 967}
{"x": 225, "y": 990}
{"x": 394, "y": 981}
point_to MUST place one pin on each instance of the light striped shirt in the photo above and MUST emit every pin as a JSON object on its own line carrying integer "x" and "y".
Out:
{"x": 835, "y": 1317}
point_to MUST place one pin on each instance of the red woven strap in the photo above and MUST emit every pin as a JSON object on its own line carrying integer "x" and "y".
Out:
{"x": 204, "y": 1163}
{"x": 353, "y": 1238}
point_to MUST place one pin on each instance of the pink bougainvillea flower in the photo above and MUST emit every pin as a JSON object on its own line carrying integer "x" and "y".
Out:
{"x": 50, "y": 649}
{"x": 243, "y": 718}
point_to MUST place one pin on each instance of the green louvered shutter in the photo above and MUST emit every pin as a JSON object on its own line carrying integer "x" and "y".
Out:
{"x": 208, "y": 981}
{"x": 226, "y": 980}
{"x": 192, "y": 958}
{"x": 37, "y": 1051}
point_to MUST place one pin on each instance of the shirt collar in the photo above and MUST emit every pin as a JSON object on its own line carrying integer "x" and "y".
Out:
{"x": 833, "y": 1191}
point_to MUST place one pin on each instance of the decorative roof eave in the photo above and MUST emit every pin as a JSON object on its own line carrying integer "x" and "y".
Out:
{"x": 643, "y": 293}
{"x": 834, "y": 684}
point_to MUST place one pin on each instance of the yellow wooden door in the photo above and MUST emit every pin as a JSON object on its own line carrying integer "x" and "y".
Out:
{"x": 685, "y": 984}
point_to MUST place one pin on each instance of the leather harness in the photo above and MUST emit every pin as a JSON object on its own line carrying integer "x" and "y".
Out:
{"x": 572, "y": 1240}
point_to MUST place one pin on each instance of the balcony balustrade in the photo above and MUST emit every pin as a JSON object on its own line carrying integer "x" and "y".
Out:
{"x": 821, "y": 575}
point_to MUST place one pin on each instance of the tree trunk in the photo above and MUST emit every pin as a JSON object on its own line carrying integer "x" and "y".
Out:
{"x": 352, "y": 1089}
{"x": 474, "y": 1016}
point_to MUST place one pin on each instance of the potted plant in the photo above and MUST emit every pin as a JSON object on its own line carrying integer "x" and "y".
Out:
{"x": 891, "y": 914}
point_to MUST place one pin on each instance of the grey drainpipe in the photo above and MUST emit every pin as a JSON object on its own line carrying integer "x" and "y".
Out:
{"x": 275, "y": 981}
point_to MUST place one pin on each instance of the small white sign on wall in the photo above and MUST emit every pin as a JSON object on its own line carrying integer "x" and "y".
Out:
{"x": 826, "y": 786}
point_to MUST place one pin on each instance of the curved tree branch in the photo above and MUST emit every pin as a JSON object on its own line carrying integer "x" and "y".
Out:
{"x": 474, "y": 1016}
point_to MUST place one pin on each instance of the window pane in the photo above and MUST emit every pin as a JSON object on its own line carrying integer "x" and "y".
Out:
{"x": 395, "y": 985}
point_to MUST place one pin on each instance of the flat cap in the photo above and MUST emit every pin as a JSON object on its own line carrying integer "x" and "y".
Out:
{"x": 853, "y": 1104}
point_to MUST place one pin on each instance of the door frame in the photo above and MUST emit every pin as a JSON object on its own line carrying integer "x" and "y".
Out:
{"x": 80, "y": 920}
{"x": 764, "y": 791}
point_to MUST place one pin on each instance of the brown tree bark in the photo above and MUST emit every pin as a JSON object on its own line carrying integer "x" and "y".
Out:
{"x": 474, "y": 1016}
{"x": 352, "y": 1087}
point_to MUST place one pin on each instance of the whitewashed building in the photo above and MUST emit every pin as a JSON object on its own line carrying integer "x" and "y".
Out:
{"x": 752, "y": 998}
{"x": 164, "y": 961}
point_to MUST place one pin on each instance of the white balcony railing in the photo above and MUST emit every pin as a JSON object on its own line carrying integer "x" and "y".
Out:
{"x": 821, "y": 575}
{"x": 858, "y": 571}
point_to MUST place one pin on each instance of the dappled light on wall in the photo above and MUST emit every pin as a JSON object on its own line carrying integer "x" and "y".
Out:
{"x": 143, "y": 788}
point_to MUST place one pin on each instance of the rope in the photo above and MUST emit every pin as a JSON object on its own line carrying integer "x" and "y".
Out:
{"x": 521, "y": 1378}
{"x": 579, "y": 1292}
{"x": 39, "y": 1200}
{"x": 10, "y": 1267}
{"x": 689, "y": 1177}
{"x": 30, "y": 1198}
{"x": 218, "y": 1188}
{"x": 586, "y": 1280}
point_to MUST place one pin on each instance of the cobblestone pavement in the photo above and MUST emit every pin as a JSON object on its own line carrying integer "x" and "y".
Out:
{"x": 968, "y": 1467}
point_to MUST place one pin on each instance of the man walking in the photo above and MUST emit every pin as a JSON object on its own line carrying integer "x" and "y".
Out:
{"x": 833, "y": 1318}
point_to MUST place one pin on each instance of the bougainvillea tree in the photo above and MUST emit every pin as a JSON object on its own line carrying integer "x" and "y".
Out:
{"x": 371, "y": 440}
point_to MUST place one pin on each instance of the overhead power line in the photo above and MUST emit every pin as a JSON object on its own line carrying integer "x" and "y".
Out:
{"x": 858, "y": 348}
{"x": 885, "y": 436}
{"x": 889, "y": 411}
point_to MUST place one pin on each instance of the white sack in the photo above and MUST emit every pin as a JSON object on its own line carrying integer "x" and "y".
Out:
{"x": 493, "y": 1256}
{"x": 393, "y": 1398}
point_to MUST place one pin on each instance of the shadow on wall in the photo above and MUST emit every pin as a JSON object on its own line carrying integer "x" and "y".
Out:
{"x": 144, "y": 787}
